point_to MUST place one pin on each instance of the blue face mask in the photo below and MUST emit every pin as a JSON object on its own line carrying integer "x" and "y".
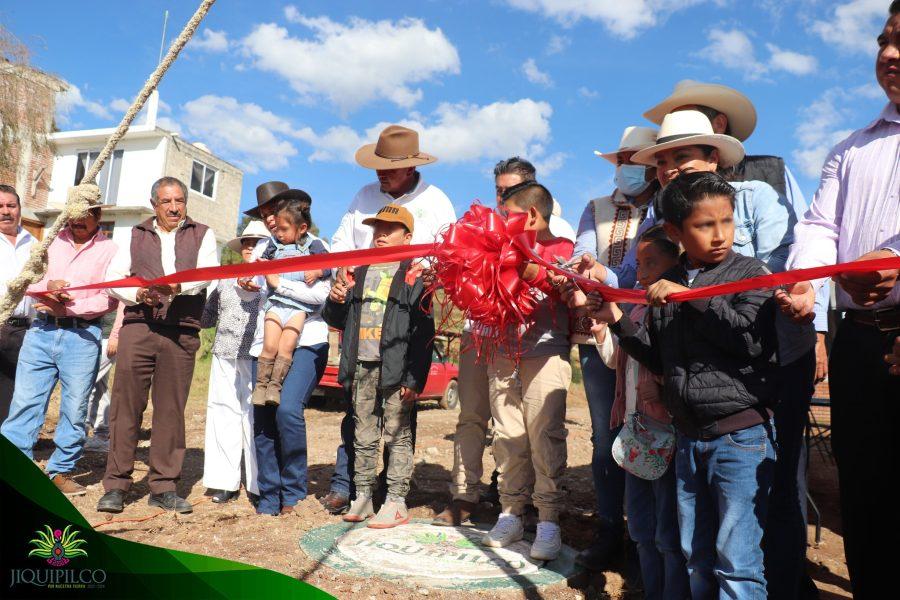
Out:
{"x": 630, "y": 179}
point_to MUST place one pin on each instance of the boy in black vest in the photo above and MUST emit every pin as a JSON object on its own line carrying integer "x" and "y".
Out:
{"x": 385, "y": 359}
{"x": 716, "y": 356}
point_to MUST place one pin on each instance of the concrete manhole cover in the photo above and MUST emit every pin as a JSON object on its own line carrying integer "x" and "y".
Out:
{"x": 445, "y": 557}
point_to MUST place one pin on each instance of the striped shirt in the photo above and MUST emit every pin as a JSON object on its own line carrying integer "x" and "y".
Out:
{"x": 856, "y": 209}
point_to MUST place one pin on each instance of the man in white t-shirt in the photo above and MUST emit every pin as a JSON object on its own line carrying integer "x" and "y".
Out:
{"x": 395, "y": 158}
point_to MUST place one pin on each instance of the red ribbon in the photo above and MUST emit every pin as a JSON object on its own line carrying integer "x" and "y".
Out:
{"x": 773, "y": 280}
{"x": 333, "y": 260}
{"x": 477, "y": 261}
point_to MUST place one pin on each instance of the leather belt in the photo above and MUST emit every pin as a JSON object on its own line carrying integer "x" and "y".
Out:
{"x": 18, "y": 322}
{"x": 883, "y": 319}
{"x": 66, "y": 322}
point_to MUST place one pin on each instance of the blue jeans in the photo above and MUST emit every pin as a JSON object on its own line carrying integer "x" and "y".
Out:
{"x": 652, "y": 509}
{"x": 280, "y": 433}
{"x": 50, "y": 354}
{"x": 609, "y": 478}
{"x": 723, "y": 497}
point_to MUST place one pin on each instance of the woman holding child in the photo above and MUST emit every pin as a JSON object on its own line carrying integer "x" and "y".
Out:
{"x": 280, "y": 429}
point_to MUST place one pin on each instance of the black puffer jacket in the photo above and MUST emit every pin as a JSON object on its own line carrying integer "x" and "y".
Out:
{"x": 407, "y": 332}
{"x": 717, "y": 355}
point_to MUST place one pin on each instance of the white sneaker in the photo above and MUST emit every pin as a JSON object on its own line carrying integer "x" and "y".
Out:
{"x": 547, "y": 541}
{"x": 96, "y": 444}
{"x": 508, "y": 529}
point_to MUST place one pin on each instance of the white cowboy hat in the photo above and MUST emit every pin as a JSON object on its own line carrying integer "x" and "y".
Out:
{"x": 733, "y": 104}
{"x": 633, "y": 139}
{"x": 254, "y": 229}
{"x": 691, "y": 128}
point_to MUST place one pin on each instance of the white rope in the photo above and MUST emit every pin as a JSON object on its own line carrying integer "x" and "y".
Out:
{"x": 81, "y": 197}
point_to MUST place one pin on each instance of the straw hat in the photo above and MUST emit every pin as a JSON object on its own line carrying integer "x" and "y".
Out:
{"x": 691, "y": 128}
{"x": 733, "y": 104}
{"x": 253, "y": 230}
{"x": 633, "y": 139}
{"x": 397, "y": 148}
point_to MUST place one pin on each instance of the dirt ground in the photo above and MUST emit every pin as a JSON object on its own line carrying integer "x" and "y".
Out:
{"x": 235, "y": 532}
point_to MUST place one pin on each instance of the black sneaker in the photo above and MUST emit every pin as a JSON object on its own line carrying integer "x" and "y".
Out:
{"x": 170, "y": 501}
{"x": 606, "y": 548}
{"x": 112, "y": 501}
{"x": 222, "y": 496}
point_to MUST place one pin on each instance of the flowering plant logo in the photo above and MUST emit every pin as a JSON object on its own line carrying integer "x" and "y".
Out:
{"x": 58, "y": 547}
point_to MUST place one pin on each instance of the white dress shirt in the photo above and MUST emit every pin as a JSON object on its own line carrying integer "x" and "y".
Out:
{"x": 120, "y": 267}
{"x": 430, "y": 207}
{"x": 12, "y": 258}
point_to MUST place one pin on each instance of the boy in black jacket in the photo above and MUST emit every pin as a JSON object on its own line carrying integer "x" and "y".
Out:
{"x": 717, "y": 359}
{"x": 385, "y": 359}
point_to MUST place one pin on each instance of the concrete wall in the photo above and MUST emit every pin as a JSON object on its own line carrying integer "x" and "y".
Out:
{"x": 219, "y": 212}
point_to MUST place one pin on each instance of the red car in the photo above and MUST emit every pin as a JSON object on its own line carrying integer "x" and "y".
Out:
{"x": 441, "y": 385}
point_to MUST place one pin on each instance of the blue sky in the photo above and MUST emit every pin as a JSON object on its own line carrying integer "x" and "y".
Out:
{"x": 288, "y": 91}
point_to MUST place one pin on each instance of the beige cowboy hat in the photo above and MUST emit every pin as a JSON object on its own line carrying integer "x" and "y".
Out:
{"x": 253, "y": 230}
{"x": 397, "y": 148}
{"x": 733, "y": 104}
{"x": 633, "y": 139}
{"x": 691, "y": 128}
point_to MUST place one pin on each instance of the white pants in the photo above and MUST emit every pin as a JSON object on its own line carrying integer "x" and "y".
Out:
{"x": 98, "y": 405}
{"x": 229, "y": 426}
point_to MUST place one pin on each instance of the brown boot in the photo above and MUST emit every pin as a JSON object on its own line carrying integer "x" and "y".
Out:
{"x": 264, "y": 368}
{"x": 456, "y": 513}
{"x": 279, "y": 372}
{"x": 67, "y": 485}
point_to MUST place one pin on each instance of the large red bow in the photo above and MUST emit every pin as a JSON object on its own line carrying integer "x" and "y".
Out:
{"x": 477, "y": 262}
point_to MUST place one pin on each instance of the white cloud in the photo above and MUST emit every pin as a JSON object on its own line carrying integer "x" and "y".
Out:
{"x": 791, "y": 62}
{"x": 244, "y": 133}
{"x": 588, "y": 93}
{"x": 354, "y": 63}
{"x": 535, "y": 75}
{"x": 558, "y": 43}
{"x": 854, "y": 25}
{"x": 120, "y": 105}
{"x": 457, "y": 133}
{"x": 622, "y": 18}
{"x": 823, "y": 124}
{"x": 734, "y": 49}
{"x": 210, "y": 40}
{"x": 72, "y": 100}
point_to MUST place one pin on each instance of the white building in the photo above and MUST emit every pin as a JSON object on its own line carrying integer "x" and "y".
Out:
{"x": 145, "y": 154}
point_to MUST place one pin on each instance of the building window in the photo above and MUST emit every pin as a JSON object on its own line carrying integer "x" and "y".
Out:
{"x": 107, "y": 227}
{"x": 107, "y": 179}
{"x": 203, "y": 179}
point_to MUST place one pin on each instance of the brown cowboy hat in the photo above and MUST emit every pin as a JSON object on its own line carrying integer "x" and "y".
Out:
{"x": 397, "y": 148}
{"x": 273, "y": 191}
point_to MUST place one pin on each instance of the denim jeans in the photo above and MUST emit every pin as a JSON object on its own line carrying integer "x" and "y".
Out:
{"x": 279, "y": 433}
{"x": 652, "y": 509}
{"x": 723, "y": 496}
{"x": 609, "y": 478}
{"x": 50, "y": 354}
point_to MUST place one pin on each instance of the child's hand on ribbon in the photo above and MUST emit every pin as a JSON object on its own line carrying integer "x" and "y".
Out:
{"x": 338, "y": 291}
{"x": 658, "y": 293}
{"x": 599, "y": 310}
{"x": 797, "y": 301}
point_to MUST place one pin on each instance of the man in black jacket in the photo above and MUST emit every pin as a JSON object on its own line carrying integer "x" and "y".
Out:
{"x": 385, "y": 359}
{"x": 717, "y": 358}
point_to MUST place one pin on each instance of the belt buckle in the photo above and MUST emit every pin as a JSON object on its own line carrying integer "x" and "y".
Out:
{"x": 877, "y": 321}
